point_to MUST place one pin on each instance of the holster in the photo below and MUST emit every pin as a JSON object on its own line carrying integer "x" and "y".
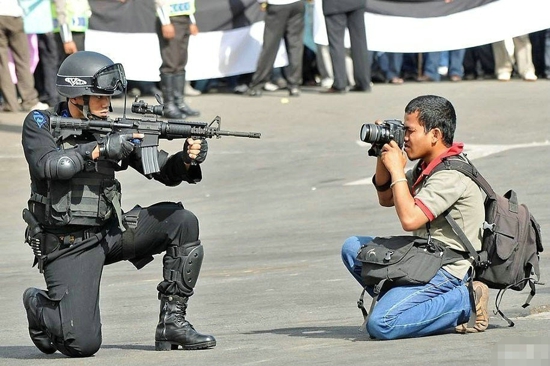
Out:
{"x": 130, "y": 222}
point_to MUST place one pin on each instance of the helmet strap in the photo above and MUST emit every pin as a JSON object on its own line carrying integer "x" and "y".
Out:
{"x": 86, "y": 106}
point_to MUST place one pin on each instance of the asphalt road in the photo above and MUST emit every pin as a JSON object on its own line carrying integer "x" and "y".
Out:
{"x": 274, "y": 213}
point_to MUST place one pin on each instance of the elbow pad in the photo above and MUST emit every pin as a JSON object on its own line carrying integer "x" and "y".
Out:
{"x": 64, "y": 166}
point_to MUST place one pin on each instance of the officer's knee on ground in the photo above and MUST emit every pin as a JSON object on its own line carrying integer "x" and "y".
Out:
{"x": 81, "y": 347}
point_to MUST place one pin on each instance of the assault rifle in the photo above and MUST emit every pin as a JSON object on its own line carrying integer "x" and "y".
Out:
{"x": 152, "y": 129}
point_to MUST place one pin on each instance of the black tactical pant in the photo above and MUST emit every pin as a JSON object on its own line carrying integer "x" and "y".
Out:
{"x": 70, "y": 306}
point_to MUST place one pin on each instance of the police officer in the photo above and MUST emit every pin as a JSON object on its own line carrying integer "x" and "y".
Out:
{"x": 175, "y": 24}
{"x": 70, "y": 18}
{"x": 75, "y": 200}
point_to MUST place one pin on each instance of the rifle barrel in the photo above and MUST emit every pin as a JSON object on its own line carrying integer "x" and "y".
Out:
{"x": 252, "y": 135}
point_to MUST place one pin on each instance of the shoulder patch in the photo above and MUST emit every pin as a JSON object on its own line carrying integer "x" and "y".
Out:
{"x": 39, "y": 118}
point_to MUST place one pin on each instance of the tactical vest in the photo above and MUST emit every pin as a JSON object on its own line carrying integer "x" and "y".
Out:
{"x": 181, "y": 7}
{"x": 78, "y": 14}
{"x": 89, "y": 198}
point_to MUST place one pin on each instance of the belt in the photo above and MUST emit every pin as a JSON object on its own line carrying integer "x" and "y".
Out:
{"x": 69, "y": 239}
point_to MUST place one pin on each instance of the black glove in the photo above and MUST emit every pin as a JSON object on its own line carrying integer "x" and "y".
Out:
{"x": 116, "y": 146}
{"x": 201, "y": 155}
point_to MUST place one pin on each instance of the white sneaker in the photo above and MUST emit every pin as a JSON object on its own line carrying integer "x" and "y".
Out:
{"x": 269, "y": 86}
{"x": 503, "y": 76}
{"x": 530, "y": 76}
{"x": 40, "y": 106}
{"x": 190, "y": 91}
{"x": 327, "y": 82}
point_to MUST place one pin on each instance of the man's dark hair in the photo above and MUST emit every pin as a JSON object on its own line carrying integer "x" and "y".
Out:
{"x": 435, "y": 112}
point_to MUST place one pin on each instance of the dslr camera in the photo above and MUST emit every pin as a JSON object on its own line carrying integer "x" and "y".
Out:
{"x": 378, "y": 135}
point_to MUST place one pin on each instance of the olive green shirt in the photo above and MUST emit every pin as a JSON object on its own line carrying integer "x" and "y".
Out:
{"x": 450, "y": 189}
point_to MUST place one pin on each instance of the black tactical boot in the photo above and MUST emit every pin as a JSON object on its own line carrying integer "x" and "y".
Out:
{"x": 173, "y": 330}
{"x": 169, "y": 109}
{"x": 38, "y": 336}
{"x": 179, "y": 92}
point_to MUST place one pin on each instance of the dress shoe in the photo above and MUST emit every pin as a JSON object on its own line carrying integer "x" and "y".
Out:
{"x": 294, "y": 91}
{"x": 333, "y": 90}
{"x": 360, "y": 89}
{"x": 424, "y": 78}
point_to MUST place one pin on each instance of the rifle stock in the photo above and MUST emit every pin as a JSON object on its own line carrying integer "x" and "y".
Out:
{"x": 152, "y": 129}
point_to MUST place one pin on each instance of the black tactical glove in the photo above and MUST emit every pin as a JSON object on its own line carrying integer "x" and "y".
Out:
{"x": 201, "y": 156}
{"x": 116, "y": 146}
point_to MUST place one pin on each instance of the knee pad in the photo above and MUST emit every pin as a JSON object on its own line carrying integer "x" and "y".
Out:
{"x": 182, "y": 264}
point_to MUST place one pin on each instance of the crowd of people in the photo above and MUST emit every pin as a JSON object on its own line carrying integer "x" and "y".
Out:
{"x": 332, "y": 67}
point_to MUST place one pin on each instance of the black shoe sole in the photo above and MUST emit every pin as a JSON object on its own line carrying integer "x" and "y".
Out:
{"x": 170, "y": 346}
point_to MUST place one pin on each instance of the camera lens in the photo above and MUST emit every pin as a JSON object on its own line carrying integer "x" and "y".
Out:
{"x": 370, "y": 133}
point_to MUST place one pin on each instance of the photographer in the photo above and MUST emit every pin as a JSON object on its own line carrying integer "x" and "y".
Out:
{"x": 420, "y": 201}
{"x": 76, "y": 224}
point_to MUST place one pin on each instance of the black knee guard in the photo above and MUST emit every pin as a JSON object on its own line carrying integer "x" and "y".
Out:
{"x": 182, "y": 265}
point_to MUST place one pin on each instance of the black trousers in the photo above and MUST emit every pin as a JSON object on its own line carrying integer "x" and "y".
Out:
{"x": 362, "y": 62}
{"x": 70, "y": 306}
{"x": 282, "y": 22}
{"x": 45, "y": 75}
{"x": 173, "y": 52}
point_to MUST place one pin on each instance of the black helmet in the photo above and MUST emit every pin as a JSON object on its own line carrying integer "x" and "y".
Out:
{"x": 90, "y": 73}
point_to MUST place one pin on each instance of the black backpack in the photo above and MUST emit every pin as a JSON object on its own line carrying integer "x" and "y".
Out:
{"x": 509, "y": 257}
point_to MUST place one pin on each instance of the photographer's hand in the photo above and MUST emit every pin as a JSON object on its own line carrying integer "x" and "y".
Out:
{"x": 394, "y": 159}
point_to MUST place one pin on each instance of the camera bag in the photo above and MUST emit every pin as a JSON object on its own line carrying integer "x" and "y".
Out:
{"x": 509, "y": 257}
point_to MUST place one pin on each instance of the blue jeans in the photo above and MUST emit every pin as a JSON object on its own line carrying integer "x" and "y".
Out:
{"x": 432, "y": 61}
{"x": 412, "y": 311}
{"x": 391, "y": 64}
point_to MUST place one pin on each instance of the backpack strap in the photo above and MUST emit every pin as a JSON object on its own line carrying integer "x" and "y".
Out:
{"x": 456, "y": 162}
{"x": 360, "y": 303}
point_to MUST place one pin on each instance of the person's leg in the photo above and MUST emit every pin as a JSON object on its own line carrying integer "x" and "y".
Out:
{"x": 362, "y": 59}
{"x": 395, "y": 62}
{"x": 273, "y": 33}
{"x": 503, "y": 63}
{"x": 19, "y": 46}
{"x": 167, "y": 227}
{"x": 486, "y": 60}
{"x": 170, "y": 53}
{"x": 469, "y": 63}
{"x": 547, "y": 53}
{"x": 294, "y": 40}
{"x": 456, "y": 69}
{"x": 524, "y": 57}
{"x": 68, "y": 312}
{"x": 7, "y": 88}
{"x": 349, "y": 251}
{"x": 420, "y": 310}
{"x": 431, "y": 65}
{"x": 49, "y": 55}
{"x": 336, "y": 27}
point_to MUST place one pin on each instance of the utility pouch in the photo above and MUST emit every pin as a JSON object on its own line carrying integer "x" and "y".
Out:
{"x": 398, "y": 261}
